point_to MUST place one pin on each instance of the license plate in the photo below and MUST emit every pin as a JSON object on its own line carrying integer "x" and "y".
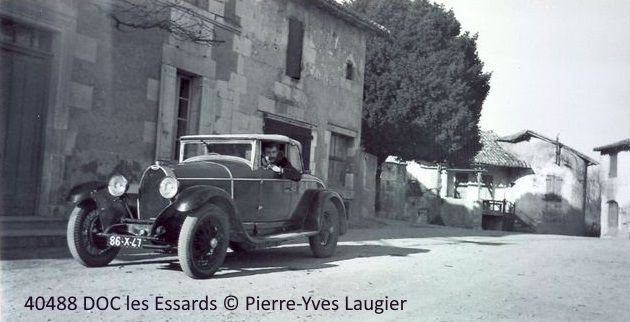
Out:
{"x": 124, "y": 241}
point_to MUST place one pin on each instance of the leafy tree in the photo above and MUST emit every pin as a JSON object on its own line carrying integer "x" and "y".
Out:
{"x": 424, "y": 84}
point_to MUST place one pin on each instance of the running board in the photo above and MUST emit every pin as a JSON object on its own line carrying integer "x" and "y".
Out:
{"x": 279, "y": 238}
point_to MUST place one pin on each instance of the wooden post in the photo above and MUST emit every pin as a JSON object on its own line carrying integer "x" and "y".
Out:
{"x": 439, "y": 179}
{"x": 478, "y": 185}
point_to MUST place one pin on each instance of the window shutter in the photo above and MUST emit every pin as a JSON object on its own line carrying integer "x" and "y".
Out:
{"x": 294, "y": 48}
{"x": 550, "y": 184}
{"x": 558, "y": 186}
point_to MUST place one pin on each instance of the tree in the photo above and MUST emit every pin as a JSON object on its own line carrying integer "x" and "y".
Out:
{"x": 424, "y": 85}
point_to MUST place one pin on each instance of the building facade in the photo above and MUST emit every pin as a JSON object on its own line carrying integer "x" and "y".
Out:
{"x": 615, "y": 192}
{"x": 541, "y": 184}
{"x": 85, "y": 96}
{"x": 555, "y": 197}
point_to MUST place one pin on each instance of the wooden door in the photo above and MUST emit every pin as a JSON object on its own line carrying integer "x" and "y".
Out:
{"x": 24, "y": 91}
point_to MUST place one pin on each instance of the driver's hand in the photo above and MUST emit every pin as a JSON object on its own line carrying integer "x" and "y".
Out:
{"x": 276, "y": 169}
{"x": 265, "y": 162}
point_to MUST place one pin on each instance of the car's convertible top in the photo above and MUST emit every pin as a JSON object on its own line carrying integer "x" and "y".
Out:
{"x": 264, "y": 137}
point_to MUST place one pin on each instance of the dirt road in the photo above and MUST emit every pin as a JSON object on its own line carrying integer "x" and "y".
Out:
{"x": 418, "y": 273}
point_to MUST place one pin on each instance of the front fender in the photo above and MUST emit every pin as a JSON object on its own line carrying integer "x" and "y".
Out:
{"x": 85, "y": 191}
{"x": 311, "y": 221}
{"x": 192, "y": 198}
{"x": 93, "y": 194}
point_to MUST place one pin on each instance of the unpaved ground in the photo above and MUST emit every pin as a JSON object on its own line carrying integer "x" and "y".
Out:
{"x": 444, "y": 274}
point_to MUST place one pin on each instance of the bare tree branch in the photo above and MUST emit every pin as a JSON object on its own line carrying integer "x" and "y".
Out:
{"x": 174, "y": 17}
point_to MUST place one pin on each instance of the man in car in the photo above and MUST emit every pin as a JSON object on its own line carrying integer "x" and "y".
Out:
{"x": 275, "y": 160}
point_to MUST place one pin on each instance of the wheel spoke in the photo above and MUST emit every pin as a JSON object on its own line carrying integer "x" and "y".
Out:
{"x": 206, "y": 240}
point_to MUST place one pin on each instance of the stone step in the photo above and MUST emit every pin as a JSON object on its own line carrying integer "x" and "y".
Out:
{"x": 12, "y": 223}
{"x": 36, "y": 253}
{"x": 32, "y": 238}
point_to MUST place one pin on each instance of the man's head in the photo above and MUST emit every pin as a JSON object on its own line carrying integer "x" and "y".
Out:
{"x": 271, "y": 151}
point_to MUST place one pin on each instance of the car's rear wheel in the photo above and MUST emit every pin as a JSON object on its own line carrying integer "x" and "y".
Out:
{"x": 203, "y": 242}
{"x": 324, "y": 244}
{"x": 85, "y": 245}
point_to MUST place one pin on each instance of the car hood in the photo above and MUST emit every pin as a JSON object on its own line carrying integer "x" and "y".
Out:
{"x": 211, "y": 169}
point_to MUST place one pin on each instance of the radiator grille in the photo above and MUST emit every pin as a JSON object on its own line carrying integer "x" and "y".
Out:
{"x": 150, "y": 202}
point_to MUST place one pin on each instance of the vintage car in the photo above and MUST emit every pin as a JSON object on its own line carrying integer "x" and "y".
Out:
{"x": 220, "y": 193}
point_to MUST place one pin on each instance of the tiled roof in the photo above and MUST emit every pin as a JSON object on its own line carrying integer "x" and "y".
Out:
{"x": 614, "y": 147}
{"x": 525, "y": 135}
{"x": 339, "y": 10}
{"x": 493, "y": 154}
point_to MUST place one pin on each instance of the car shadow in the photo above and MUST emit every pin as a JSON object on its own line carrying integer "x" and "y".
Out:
{"x": 295, "y": 257}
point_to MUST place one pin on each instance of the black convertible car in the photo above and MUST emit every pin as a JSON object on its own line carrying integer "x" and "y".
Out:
{"x": 221, "y": 193}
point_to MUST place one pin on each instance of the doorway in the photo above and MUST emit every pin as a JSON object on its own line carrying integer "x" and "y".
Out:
{"x": 613, "y": 217}
{"x": 25, "y": 55}
{"x": 298, "y": 133}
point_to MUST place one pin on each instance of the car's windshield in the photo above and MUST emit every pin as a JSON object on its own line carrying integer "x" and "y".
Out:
{"x": 208, "y": 149}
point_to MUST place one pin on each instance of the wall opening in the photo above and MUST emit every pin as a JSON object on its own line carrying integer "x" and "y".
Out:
{"x": 349, "y": 70}
{"x": 294, "y": 48}
{"x": 26, "y": 54}
{"x": 613, "y": 215}
{"x": 298, "y": 133}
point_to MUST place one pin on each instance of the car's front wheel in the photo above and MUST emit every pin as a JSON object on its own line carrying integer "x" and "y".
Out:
{"x": 324, "y": 244}
{"x": 85, "y": 245}
{"x": 203, "y": 242}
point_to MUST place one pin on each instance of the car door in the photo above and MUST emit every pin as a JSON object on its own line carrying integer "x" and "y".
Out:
{"x": 276, "y": 197}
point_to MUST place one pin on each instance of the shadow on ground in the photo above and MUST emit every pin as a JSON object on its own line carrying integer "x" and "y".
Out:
{"x": 272, "y": 260}
{"x": 378, "y": 229}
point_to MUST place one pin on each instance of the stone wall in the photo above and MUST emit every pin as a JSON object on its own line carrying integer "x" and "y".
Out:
{"x": 113, "y": 90}
{"x": 615, "y": 190}
{"x": 563, "y": 215}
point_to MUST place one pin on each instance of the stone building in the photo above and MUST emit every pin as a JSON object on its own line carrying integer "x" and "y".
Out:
{"x": 555, "y": 197}
{"x": 615, "y": 192}
{"x": 85, "y": 97}
{"x": 540, "y": 183}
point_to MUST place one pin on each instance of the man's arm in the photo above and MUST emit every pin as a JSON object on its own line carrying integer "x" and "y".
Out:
{"x": 288, "y": 171}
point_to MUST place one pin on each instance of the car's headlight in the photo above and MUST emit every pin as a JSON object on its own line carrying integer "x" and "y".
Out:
{"x": 168, "y": 187}
{"x": 117, "y": 185}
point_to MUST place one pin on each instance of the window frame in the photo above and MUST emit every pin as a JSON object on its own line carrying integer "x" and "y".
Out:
{"x": 343, "y": 158}
{"x": 178, "y": 119}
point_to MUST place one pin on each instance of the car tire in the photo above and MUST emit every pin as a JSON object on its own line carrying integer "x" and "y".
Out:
{"x": 203, "y": 242}
{"x": 87, "y": 248}
{"x": 324, "y": 243}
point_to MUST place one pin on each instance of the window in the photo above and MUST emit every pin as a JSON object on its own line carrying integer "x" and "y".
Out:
{"x": 338, "y": 163}
{"x": 349, "y": 70}
{"x": 25, "y": 36}
{"x": 553, "y": 188}
{"x": 182, "y": 116}
{"x": 294, "y": 48}
{"x": 196, "y": 150}
{"x": 294, "y": 157}
{"x": 612, "y": 169}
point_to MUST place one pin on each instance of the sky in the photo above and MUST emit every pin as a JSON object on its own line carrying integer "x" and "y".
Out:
{"x": 559, "y": 67}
